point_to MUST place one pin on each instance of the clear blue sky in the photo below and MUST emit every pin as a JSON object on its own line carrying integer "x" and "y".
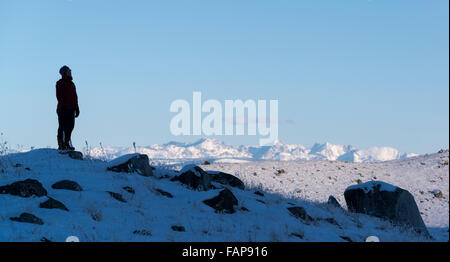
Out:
{"x": 366, "y": 73}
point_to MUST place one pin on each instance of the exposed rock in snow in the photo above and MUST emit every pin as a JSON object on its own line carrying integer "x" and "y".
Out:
{"x": 131, "y": 163}
{"x": 194, "y": 177}
{"x": 26, "y": 188}
{"x": 117, "y": 196}
{"x": 53, "y": 203}
{"x": 224, "y": 202}
{"x": 226, "y": 179}
{"x": 67, "y": 185}
{"x": 333, "y": 202}
{"x": 300, "y": 212}
{"x": 73, "y": 154}
{"x": 27, "y": 218}
{"x": 386, "y": 201}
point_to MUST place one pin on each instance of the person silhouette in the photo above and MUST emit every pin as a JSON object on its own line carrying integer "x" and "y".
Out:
{"x": 67, "y": 108}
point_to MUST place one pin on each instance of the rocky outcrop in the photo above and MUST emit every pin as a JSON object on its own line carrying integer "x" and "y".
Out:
{"x": 163, "y": 193}
{"x": 73, "y": 154}
{"x": 52, "y": 204}
{"x": 129, "y": 189}
{"x": 385, "y": 201}
{"x": 132, "y": 163}
{"x": 26, "y": 188}
{"x": 117, "y": 196}
{"x": 226, "y": 179}
{"x": 194, "y": 177}
{"x": 178, "y": 228}
{"x": 67, "y": 185}
{"x": 300, "y": 212}
{"x": 27, "y": 218}
{"x": 224, "y": 202}
{"x": 332, "y": 201}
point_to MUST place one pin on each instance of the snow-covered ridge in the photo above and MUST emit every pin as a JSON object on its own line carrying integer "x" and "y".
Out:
{"x": 215, "y": 150}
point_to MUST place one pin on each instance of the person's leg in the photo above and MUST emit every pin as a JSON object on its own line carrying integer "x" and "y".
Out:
{"x": 60, "y": 135}
{"x": 69, "y": 125}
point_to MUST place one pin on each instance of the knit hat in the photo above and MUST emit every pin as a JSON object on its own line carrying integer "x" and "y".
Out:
{"x": 64, "y": 70}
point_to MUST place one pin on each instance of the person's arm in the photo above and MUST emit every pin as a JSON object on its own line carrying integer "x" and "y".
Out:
{"x": 58, "y": 93}
{"x": 77, "y": 109}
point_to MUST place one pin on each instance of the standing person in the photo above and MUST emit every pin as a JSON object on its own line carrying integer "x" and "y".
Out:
{"x": 67, "y": 109}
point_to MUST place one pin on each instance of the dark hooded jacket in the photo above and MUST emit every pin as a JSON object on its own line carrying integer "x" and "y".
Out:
{"x": 66, "y": 94}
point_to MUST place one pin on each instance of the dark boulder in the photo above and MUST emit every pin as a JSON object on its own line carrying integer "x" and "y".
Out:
{"x": 332, "y": 201}
{"x": 178, "y": 228}
{"x": 27, "y": 218}
{"x": 73, "y": 154}
{"x": 46, "y": 240}
{"x": 67, "y": 185}
{"x": 143, "y": 232}
{"x": 129, "y": 189}
{"x": 226, "y": 179}
{"x": 346, "y": 238}
{"x": 26, "y": 188}
{"x": 194, "y": 177}
{"x": 117, "y": 196}
{"x": 259, "y": 193}
{"x": 300, "y": 212}
{"x": 163, "y": 193}
{"x": 379, "y": 199}
{"x": 132, "y": 163}
{"x": 53, "y": 203}
{"x": 224, "y": 202}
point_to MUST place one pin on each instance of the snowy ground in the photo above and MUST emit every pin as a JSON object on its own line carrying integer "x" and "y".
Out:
{"x": 316, "y": 180}
{"x": 148, "y": 216}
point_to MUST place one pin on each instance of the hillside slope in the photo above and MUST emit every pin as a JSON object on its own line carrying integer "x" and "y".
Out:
{"x": 129, "y": 207}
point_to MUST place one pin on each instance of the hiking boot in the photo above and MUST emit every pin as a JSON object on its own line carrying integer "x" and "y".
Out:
{"x": 67, "y": 146}
{"x": 61, "y": 145}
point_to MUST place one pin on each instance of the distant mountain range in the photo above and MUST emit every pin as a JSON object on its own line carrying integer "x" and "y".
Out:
{"x": 216, "y": 151}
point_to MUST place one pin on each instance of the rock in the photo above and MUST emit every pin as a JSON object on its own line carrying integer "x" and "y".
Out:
{"x": 129, "y": 189}
{"x": 194, "y": 177}
{"x": 437, "y": 193}
{"x": 116, "y": 196}
{"x": 142, "y": 232}
{"x": 224, "y": 202}
{"x": 379, "y": 199}
{"x": 226, "y": 179}
{"x": 300, "y": 212}
{"x": 206, "y": 163}
{"x": 163, "y": 193}
{"x": 346, "y": 238}
{"x": 132, "y": 163}
{"x": 73, "y": 154}
{"x": 27, "y": 218}
{"x": 298, "y": 235}
{"x": 330, "y": 220}
{"x": 44, "y": 239}
{"x": 178, "y": 228}
{"x": 260, "y": 201}
{"x": 68, "y": 185}
{"x": 52, "y": 203}
{"x": 332, "y": 201}
{"x": 26, "y": 188}
{"x": 259, "y": 193}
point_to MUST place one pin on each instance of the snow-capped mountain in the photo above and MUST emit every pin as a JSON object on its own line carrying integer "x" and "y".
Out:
{"x": 216, "y": 151}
